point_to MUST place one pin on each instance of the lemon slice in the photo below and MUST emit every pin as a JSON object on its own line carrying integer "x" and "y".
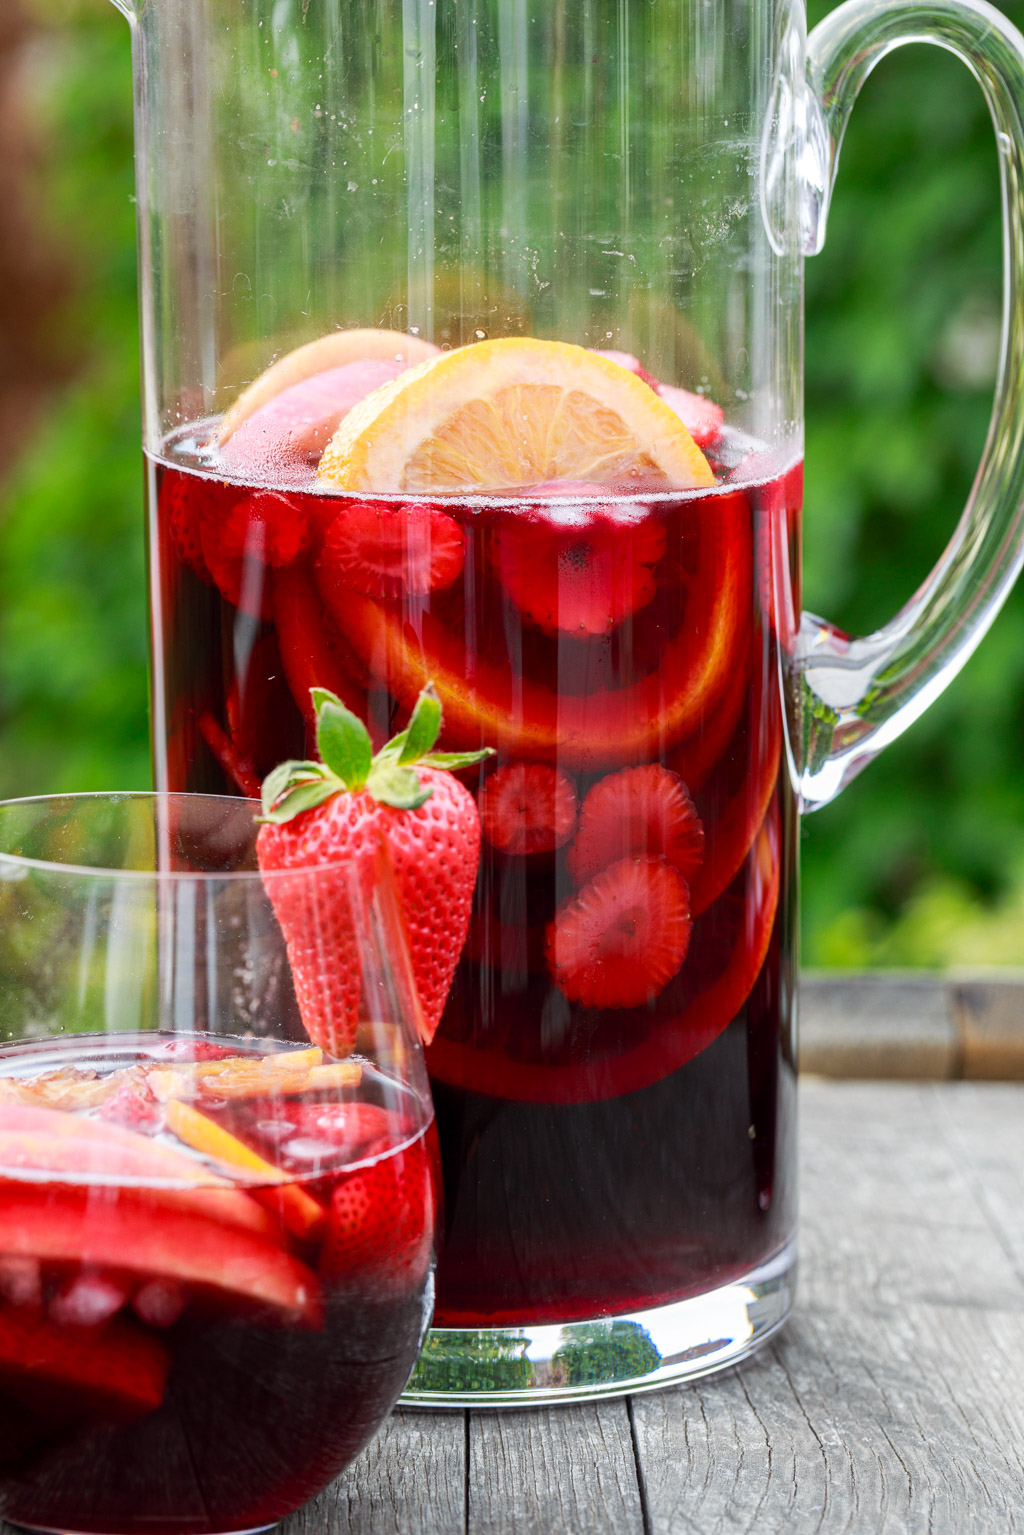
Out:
{"x": 506, "y": 414}
{"x": 332, "y": 351}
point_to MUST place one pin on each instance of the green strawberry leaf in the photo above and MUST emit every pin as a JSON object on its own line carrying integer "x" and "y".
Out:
{"x": 452, "y": 762}
{"x": 343, "y": 742}
{"x": 423, "y": 728}
{"x": 321, "y": 696}
{"x": 397, "y": 786}
{"x": 283, "y": 776}
{"x": 304, "y": 796}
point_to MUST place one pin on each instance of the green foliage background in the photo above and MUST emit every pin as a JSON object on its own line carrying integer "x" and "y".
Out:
{"x": 921, "y": 862}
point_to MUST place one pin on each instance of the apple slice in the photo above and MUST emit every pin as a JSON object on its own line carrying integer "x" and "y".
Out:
{"x": 141, "y": 1231}
{"x": 327, "y": 352}
{"x": 121, "y": 1369}
{"x": 50, "y": 1140}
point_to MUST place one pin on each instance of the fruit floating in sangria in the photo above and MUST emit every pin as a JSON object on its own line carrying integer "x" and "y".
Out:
{"x": 215, "y": 1274}
{"x": 593, "y": 571}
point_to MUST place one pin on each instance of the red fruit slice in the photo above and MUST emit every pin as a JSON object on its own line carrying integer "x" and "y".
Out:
{"x": 382, "y": 1218}
{"x": 702, "y": 418}
{"x": 186, "y": 500}
{"x": 526, "y": 807}
{"x": 638, "y": 812}
{"x": 620, "y": 941}
{"x": 121, "y": 1368}
{"x": 239, "y": 769}
{"x": 143, "y": 1231}
{"x": 241, "y": 543}
{"x": 579, "y": 567}
{"x": 696, "y": 757}
{"x": 314, "y": 654}
{"x": 484, "y": 702}
{"x": 385, "y": 550}
{"x": 298, "y": 423}
{"x": 727, "y": 950}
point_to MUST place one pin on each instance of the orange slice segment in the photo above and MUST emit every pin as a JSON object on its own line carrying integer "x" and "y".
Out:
{"x": 300, "y": 1212}
{"x": 331, "y": 351}
{"x": 511, "y": 413}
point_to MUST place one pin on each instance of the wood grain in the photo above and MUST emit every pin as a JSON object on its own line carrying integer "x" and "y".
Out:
{"x": 892, "y": 1404}
{"x": 570, "y": 1469}
{"x": 411, "y": 1480}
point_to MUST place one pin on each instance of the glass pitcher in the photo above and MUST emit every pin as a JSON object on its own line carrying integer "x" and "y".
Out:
{"x": 472, "y": 353}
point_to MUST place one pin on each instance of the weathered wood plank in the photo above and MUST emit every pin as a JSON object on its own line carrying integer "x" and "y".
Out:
{"x": 990, "y": 1018}
{"x": 985, "y": 1124}
{"x": 878, "y": 1026}
{"x": 569, "y": 1470}
{"x": 411, "y": 1480}
{"x": 893, "y": 1402}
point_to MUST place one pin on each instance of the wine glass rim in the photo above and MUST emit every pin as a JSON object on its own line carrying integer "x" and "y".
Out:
{"x": 108, "y": 872}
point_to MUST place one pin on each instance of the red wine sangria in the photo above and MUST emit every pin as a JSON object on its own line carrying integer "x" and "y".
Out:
{"x": 613, "y": 1071}
{"x": 213, "y": 1270}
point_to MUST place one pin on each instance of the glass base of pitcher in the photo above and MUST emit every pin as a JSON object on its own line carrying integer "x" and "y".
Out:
{"x": 608, "y": 1356}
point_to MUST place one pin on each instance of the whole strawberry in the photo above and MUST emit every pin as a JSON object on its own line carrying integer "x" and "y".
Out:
{"x": 334, "y": 814}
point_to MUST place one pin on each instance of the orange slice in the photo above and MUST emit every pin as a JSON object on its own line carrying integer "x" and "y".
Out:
{"x": 300, "y": 1212}
{"x": 507, "y": 414}
{"x": 332, "y": 351}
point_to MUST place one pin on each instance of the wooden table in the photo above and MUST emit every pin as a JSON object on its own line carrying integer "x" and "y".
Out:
{"x": 892, "y": 1404}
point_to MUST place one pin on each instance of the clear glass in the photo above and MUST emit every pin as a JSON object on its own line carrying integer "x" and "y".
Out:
{"x": 217, "y": 1240}
{"x": 344, "y": 191}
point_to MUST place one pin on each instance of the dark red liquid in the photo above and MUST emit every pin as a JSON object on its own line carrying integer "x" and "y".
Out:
{"x": 600, "y": 1155}
{"x": 195, "y": 1358}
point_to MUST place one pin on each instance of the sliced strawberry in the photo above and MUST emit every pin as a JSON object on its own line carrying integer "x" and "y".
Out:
{"x": 620, "y": 941}
{"x": 298, "y": 423}
{"x": 628, "y": 1050}
{"x": 264, "y": 531}
{"x": 576, "y": 564}
{"x": 702, "y": 418}
{"x": 234, "y": 766}
{"x": 638, "y": 812}
{"x": 121, "y": 1368}
{"x": 382, "y": 1217}
{"x": 526, "y": 807}
{"x": 384, "y": 550}
{"x": 185, "y": 500}
{"x": 244, "y": 583}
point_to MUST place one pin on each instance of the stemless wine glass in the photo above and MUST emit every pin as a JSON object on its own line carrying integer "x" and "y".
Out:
{"x": 216, "y": 1239}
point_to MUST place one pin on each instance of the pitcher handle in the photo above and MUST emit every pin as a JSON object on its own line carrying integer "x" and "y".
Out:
{"x": 854, "y": 696}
